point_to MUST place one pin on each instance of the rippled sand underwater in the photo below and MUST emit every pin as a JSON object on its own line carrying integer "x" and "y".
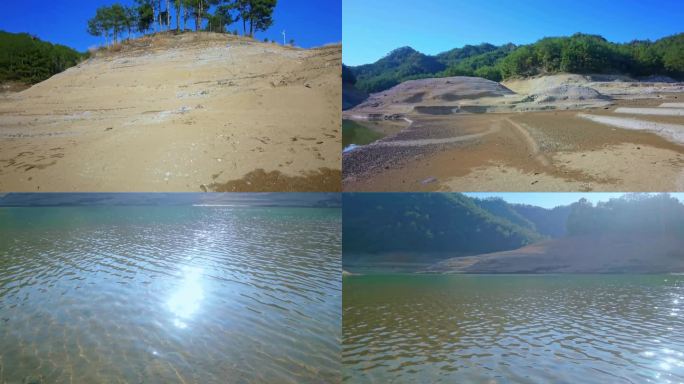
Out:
{"x": 169, "y": 295}
{"x": 513, "y": 329}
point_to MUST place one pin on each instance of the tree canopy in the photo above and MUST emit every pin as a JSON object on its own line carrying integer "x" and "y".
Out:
{"x": 579, "y": 53}
{"x": 455, "y": 224}
{"x": 429, "y": 222}
{"x": 636, "y": 213}
{"x": 110, "y": 22}
{"x": 27, "y": 59}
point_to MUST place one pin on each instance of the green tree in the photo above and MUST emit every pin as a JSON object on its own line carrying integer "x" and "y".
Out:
{"x": 255, "y": 14}
{"x": 130, "y": 20}
{"x": 27, "y": 59}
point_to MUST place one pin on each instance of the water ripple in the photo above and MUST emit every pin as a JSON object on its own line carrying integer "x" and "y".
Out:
{"x": 181, "y": 294}
{"x": 513, "y": 329}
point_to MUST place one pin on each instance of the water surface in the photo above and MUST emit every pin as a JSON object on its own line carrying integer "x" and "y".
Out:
{"x": 513, "y": 329}
{"x": 169, "y": 295}
{"x": 354, "y": 134}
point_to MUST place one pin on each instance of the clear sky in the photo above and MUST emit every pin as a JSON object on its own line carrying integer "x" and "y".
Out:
{"x": 551, "y": 200}
{"x": 373, "y": 28}
{"x": 64, "y": 21}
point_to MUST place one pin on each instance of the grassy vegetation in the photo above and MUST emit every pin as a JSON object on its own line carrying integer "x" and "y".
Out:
{"x": 579, "y": 53}
{"x": 29, "y": 60}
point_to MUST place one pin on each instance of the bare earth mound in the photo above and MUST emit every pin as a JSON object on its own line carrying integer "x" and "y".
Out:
{"x": 189, "y": 112}
{"x": 440, "y": 92}
{"x": 636, "y": 253}
{"x": 567, "y": 92}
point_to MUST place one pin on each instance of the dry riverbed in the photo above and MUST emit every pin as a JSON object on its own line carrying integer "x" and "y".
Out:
{"x": 564, "y": 145}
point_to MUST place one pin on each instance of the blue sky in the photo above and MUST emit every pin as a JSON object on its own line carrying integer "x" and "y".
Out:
{"x": 373, "y": 28}
{"x": 551, "y": 200}
{"x": 64, "y": 21}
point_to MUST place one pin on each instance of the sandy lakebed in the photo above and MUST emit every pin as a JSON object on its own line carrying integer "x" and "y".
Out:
{"x": 188, "y": 112}
{"x": 553, "y": 135}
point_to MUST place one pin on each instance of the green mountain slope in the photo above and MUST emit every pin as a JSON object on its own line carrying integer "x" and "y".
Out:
{"x": 579, "y": 53}
{"x": 399, "y": 65}
{"x": 427, "y": 223}
{"x": 29, "y": 60}
{"x": 548, "y": 222}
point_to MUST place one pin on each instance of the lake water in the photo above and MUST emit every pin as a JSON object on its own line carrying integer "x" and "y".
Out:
{"x": 170, "y": 295}
{"x": 354, "y": 134}
{"x": 513, "y": 329}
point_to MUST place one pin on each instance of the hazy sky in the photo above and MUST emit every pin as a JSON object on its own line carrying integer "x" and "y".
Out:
{"x": 309, "y": 23}
{"x": 373, "y": 28}
{"x": 550, "y": 200}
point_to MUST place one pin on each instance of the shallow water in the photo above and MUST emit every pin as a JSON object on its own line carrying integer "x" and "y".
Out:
{"x": 169, "y": 295}
{"x": 513, "y": 329}
{"x": 356, "y": 134}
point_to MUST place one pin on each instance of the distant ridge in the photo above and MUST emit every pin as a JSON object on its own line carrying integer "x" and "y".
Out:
{"x": 579, "y": 53}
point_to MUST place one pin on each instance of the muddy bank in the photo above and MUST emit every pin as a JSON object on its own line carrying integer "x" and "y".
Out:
{"x": 322, "y": 180}
{"x": 635, "y": 253}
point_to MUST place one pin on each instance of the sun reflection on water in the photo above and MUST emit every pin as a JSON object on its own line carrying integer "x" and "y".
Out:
{"x": 187, "y": 298}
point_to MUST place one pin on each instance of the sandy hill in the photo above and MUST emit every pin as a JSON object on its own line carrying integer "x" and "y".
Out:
{"x": 189, "y": 112}
{"x": 639, "y": 253}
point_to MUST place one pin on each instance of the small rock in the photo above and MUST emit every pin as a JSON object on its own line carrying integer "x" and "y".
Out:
{"x": 429, "y": 180}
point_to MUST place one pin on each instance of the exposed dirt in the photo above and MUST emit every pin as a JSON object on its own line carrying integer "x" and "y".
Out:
{"x": 452, "y": 148}
{"x": 174, "y": 112}
{"x": 634, "y": 253}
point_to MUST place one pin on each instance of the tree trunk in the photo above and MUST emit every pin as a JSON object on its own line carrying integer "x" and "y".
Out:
{"x": 159, "y": 15}
{"x": 178, "y": 17}
{"x": 168, "y": 15}
{"x": 201, "y": 12}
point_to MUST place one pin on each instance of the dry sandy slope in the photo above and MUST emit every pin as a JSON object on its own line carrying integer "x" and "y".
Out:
{"x": 179, "y": 113}
{"x": 639, "y": 253}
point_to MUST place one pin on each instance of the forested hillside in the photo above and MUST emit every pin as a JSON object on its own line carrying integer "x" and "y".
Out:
{"x": 579, "y": 53}
{"x": 638, "y": 213}
{"x": 548, "y": 222}
{"x": 29, "y": 60}
{"x": 431, "y": 222}
{"x": 448, "y": 225}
